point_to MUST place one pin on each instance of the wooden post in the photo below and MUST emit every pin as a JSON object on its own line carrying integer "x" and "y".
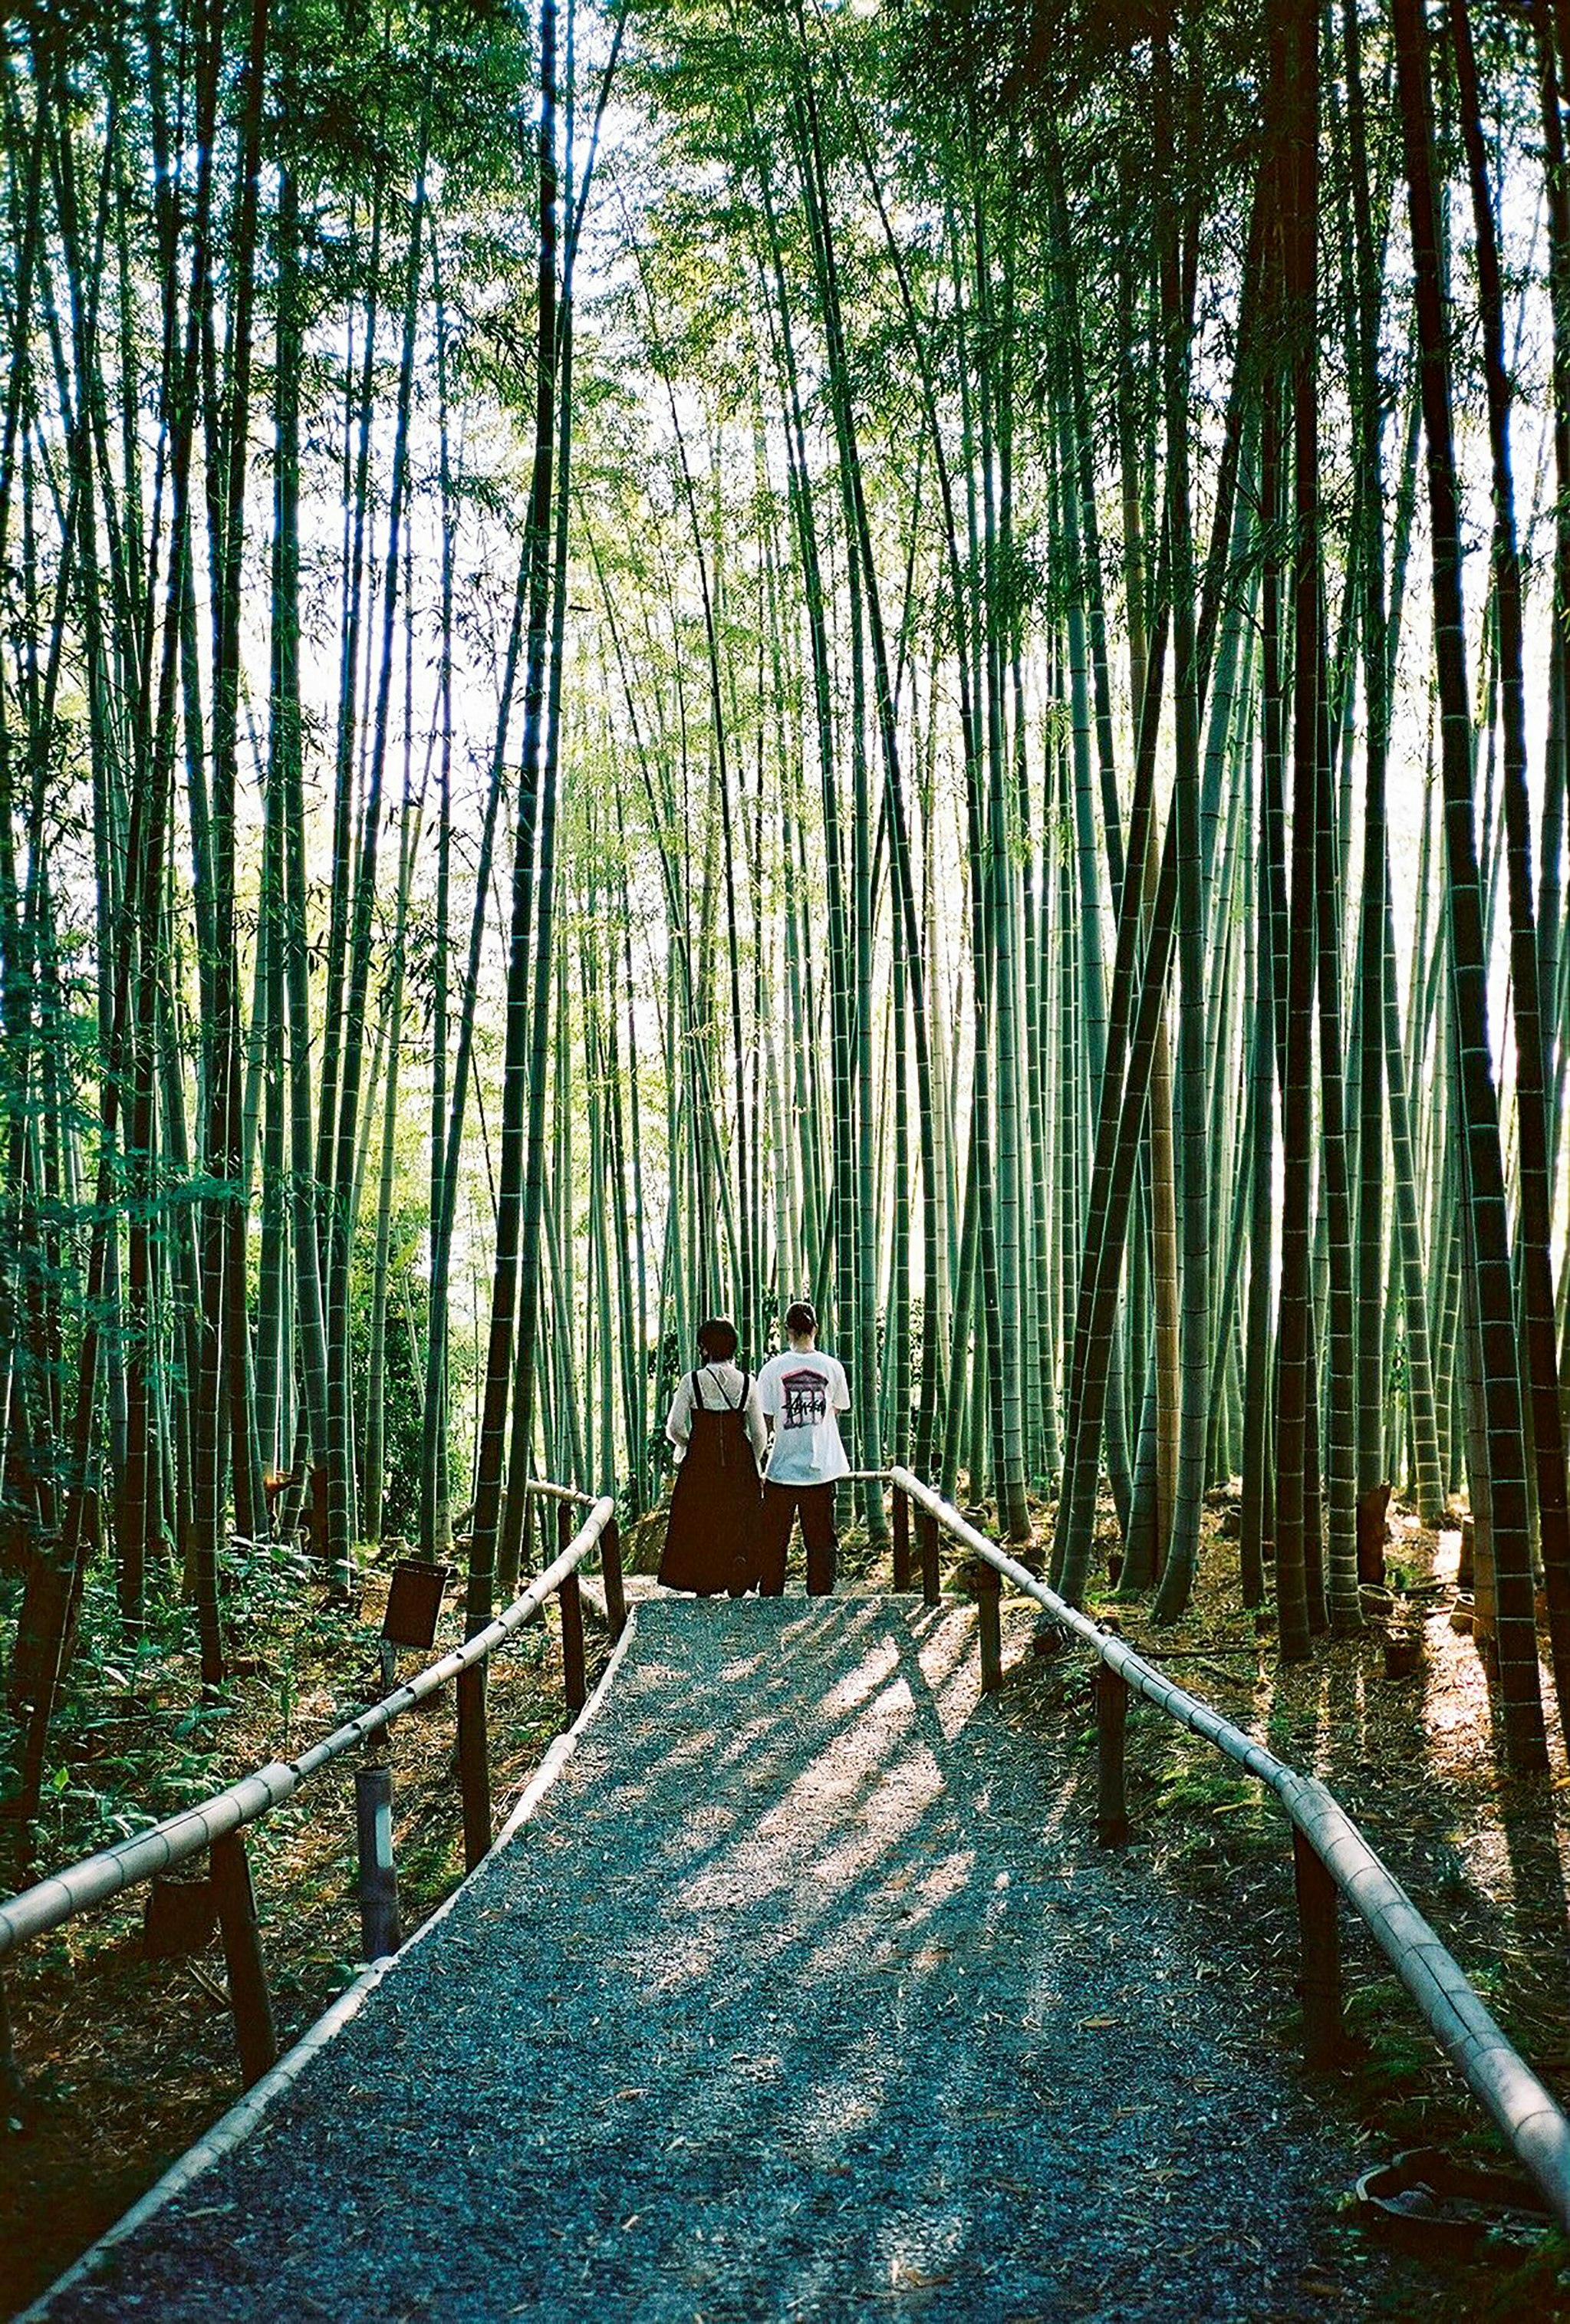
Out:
{"x": 573, "y": 1682}
{"x": 927, "y": 1534}
{"x": 250, "y": 2003}
{"x": 380, "y": 1932}
{"x": 1112, "y": 1722}
{"x": 10, "y": 2071}
{"x": 565, "y": 1528}
{"x": 989, "y": 1593}
{"x": 473, "y": 1763}
{"x": 1320, "y": 1933}
{"x": 901, "y": 1515}
{"x": 615, "y": 1586}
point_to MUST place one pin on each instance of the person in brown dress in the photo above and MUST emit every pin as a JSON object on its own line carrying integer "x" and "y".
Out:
{"x": 717, "y": 1426}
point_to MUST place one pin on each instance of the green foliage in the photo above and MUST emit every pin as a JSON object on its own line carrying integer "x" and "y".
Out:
{"x": 403, "y": 1380}
{"x": 134, "y": 1739}
{"x": 1211, "y": 1810}
{"x": 1394, "y": 2056}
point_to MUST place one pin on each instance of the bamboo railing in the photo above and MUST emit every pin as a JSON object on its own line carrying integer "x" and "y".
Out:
{"x": 1331, "y": 1857}
{"x": 216, "y": 1824}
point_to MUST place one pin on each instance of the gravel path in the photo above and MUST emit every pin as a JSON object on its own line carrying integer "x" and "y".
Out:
{"x": 805, "y": 1994}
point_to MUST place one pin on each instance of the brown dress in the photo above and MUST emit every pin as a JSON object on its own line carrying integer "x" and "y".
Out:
{"x": 711, "y": 1540}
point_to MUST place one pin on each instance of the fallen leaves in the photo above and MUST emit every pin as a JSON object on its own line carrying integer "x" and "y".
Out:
{"x": 909, "y": 2277}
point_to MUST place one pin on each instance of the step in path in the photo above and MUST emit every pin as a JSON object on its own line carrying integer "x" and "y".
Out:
{"x": 805, "y": 1993}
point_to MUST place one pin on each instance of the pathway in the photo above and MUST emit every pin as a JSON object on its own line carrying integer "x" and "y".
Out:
{"x": 805, "y": 1994}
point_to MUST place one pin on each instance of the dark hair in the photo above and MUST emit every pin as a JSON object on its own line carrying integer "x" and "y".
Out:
{"x": 717, "y": 1340}
{"x": 800, "y": 1319}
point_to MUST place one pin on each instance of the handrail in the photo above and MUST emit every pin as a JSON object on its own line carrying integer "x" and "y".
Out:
{"x": 163, "y": 1845}
{"x": 218, "y": 1823}
{"x": 1332, "y": 1856}
{"x": 1331, "y": 1850}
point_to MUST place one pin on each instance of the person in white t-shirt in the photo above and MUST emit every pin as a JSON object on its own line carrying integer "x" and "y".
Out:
{"x": 801, "y": 1393}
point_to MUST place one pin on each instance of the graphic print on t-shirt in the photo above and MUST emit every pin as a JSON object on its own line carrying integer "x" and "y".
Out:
{"x": 801, "y": 1392}
{"x": 806, "y": 1399}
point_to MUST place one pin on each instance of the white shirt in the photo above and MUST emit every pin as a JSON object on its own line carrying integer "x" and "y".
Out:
{"x": 719, "y": 1389}
{"x": 800, "y": 1392}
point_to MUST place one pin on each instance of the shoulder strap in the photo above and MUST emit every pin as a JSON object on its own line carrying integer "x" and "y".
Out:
{"x": 741, "y": 1402}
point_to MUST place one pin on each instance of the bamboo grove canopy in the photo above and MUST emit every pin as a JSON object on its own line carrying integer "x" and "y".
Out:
{"x": 658, "y": 659}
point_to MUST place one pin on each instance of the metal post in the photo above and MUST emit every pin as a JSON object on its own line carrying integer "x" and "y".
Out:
{"x": 1112, "y": 1722}
{"x": 573, "y": 1682}
{"x": 989, "y": 1594}
{"x": 901, "y": 1514}
{"x": 473, "y": 1763}
{"x": 926, "y": 1532}
{"x": 615, "y": 1587}
{"x": 250, "y": 2003}
{"x": 380, "y": 1932}
{"x": 1319, "y": 1933}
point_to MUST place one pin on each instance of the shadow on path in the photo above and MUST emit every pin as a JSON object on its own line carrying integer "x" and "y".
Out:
{"x": 797, "y": 1999}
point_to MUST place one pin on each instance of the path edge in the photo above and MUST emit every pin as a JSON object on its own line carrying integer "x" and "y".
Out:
{"x": 232, "y": 2129}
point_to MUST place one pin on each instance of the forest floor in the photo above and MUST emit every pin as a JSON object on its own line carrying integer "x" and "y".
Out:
{"x": 126, "y": 2059}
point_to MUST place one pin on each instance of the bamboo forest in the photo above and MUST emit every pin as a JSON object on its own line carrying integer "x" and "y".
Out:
{"x": 901, "y": 660}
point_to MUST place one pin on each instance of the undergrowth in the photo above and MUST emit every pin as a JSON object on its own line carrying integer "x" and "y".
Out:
{"x": 126, "y": 2059}
{"x": 1483, "y": 1859}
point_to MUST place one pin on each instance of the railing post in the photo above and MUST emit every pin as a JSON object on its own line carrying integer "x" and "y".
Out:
{"x": 10, "y": 2071}
{"x": 1111, "y": 1723}
{"x": 615, "y": 1585}
{"x": 380, "y": 1932}
{"x": 1320, "y": 1933}
{"x": 902, "y": 1517}
{"x": 989, "y": 1597}
{"x": 574, "y": 1683}
{"x": 927, "y": 1534}
{"x": 473, "y": 1763}
{"x": 250, "y": 2003}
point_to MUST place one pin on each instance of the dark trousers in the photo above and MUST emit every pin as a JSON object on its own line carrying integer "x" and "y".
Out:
{"x": 781, "y": 1504}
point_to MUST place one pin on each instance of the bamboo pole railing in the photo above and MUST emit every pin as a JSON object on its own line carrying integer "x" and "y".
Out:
{"x": 1331, "y": 1856}
{"x": 216, "y": 1824}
